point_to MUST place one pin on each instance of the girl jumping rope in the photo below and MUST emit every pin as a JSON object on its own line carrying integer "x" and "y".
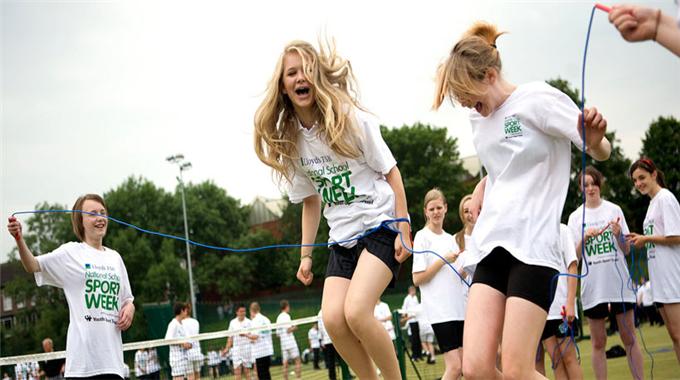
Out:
{"x": 312, "y": 131}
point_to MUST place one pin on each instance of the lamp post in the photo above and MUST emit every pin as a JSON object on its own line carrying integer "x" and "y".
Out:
{"x": 179, "y": 160}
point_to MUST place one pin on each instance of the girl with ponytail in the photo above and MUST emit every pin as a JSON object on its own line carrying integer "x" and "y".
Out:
{"x": 522, "y": 135}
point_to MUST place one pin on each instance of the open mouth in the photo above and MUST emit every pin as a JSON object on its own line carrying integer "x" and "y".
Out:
{"x": 478, "y": 107}
{"x": 302, "y": 90}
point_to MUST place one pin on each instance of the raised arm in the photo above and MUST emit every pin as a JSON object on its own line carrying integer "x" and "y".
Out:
{"x": 29, "y": 261}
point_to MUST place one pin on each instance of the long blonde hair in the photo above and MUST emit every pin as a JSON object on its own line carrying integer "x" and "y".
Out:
{"x": 335, "y": 92}
{"x": 465, "y": 68}
{"x": 460, "y": 235}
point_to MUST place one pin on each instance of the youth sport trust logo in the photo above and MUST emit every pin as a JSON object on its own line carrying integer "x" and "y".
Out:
{"x": 512, "y": 127}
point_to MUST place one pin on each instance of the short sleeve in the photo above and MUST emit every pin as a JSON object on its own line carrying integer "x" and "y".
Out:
{"x": 376, "y": 152}
{"x": 420, "y": 244}
{"x": 300, "y": 186}
{"x": 53, "y": 267}
{"x": 568, "y": 246}
{"x": 561, "y": 118}
{"x": 574, "y": 228}
{"x": 126, "y": 290}
{"x": 172, "y": 330}
{"x": 671, "y": 214}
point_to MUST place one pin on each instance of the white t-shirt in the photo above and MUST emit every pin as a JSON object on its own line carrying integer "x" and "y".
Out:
{"x": 525, "y": 147}
{"x": 192, "y": 327}
{"x": 606, "y": 262}
{"x": 153, "y": 363}
{"x": 241, "y": 350}
{"x": 178, "y": 354}
{"x": 213, "y": 358}
{"x": 424, "y": 326}
{"x": 645, "y": 294}
{"x": 325, "y": 338}
{"x": 96, "y": 286}
{"x": 443, "y": 296}
{"x": 355, "y": 193}
{"x": 141, "y": 359}
{"x": 263, "y": 346}
{"x": 287, "y": 338}
{"x": 663, "y": 261}
{"x": 314, "y": 338}
{"x": 410, "y": 307}
{"x": 567, "y": 246}
{"x": 382, "y": 311}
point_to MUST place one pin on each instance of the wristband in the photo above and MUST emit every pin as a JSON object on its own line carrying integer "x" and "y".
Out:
{"x": 306, "y": 256}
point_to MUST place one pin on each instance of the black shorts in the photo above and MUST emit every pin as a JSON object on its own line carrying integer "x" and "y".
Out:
{"x": 503, "y": 272}
{"x": 553, "y": 328}
{"x": 380, "y": 243}
{"x": 601, "y": 311}
{"x": 449, "y": 335}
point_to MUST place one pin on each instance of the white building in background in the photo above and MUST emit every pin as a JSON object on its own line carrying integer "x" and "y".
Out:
{"x": 266, "y": 213}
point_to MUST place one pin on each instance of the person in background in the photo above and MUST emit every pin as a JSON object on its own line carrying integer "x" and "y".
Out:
{"x": 263, "y": 348}
{"x": 315, "y": 344}
{"x": 408, "y": 309}
{"x": 51, "y": 369}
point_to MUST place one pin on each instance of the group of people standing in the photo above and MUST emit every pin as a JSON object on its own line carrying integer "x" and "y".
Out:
{"x": 312, "y": 130}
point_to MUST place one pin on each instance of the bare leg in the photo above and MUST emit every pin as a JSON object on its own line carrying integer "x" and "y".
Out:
{"x": 670, "y": 313}
{"x": 344, "y": 340}
{"x": 598, "y": 340}
{"x": 285, "y": 370}
{"x": 298, "y": 368}
{"x": 483, "y": 327}
{"x": 370, "y": 279}
{"x": 571, "y": 364}
{"x": 519, "y": 342}
{"x": 540, "y": 360}
{"x": 629, "y": 338}
{"x": 554, "y": 350}
{"x": 453, "y": 363}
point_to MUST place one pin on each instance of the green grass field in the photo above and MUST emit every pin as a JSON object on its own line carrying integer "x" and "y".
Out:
{"x": 656, "y": 338}
{"x": 657, "y": 341}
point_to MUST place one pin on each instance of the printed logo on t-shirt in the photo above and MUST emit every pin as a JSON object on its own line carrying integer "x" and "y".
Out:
{"x": 601, "y": 244}
{"x": 102, "y": 286}
{"x": 512, "y": 127}
{"x": 649, "y": 231}
{"x": 331, "y": 179}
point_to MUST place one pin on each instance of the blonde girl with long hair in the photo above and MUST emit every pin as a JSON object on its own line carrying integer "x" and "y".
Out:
{"x": 522, "y": 135}
{"x": 313, "y": 132}
{"x": 465, "y": 215}
{"x": 442, "y": 291}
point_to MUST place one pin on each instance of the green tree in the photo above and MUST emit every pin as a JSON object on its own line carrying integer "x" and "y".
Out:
{"x": 291, "y": 228}
{"x": 46, "y": 313}
{"x": 662, "y": 144}
{"x": 427, "y": 157}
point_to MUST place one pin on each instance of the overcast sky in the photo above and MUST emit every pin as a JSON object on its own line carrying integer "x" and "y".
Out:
{"x": 96, "y": 91}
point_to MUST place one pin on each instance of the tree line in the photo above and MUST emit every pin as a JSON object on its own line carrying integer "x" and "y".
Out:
{"x": 427, "y": 157}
